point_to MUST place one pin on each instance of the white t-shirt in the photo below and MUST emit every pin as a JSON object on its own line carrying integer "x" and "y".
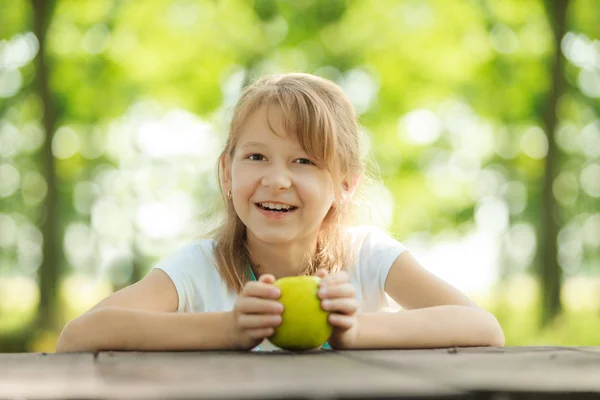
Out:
{"x": 201, "y": 289}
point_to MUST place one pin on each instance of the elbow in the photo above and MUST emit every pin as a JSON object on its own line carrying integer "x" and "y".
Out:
{"x": 75, "y": 336}
{"x": 498, "y": 339}
{"x": 494, "y": 333}
{"x": 67, "y": 341}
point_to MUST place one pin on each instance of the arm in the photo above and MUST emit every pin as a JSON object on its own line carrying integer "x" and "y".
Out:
{"x": 112, "y": 328}
{"x": 440, "y": 326}
{"x": 438, "y": 315}
{"x": 142, "y": 317}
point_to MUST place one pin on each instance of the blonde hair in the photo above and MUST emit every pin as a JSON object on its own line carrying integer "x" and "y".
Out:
{"x": 321, "y": 118}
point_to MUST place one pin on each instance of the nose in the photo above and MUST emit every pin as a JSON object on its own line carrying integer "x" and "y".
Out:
{"x": 276, "y": 178}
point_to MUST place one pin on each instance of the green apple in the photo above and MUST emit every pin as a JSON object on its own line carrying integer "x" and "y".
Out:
{"x": 304, "y": 323}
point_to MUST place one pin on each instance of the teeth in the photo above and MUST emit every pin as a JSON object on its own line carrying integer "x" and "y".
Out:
{"x": 274, "y": 206}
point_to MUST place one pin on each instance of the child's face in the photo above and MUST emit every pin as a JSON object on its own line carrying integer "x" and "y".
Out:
{"x": 267, "y": 168}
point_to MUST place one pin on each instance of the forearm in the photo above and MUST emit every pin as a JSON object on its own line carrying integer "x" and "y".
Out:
{"x": 125, "y": 329}
{"x": 442, "y": 326}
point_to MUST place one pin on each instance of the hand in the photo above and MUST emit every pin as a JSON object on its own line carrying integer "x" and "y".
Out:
{"x": 337, "y": 296}
{"x": 256, "y": 313}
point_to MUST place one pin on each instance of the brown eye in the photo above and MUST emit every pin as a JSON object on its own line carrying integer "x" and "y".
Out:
{"x": 255, "y": 157}
{"x": 305, "y": 161}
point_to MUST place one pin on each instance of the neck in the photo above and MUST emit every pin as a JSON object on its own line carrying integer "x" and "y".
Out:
{"x": 281, "y": 260}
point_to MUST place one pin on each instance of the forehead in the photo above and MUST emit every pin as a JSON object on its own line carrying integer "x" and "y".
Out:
{"x": 264, "y": 128}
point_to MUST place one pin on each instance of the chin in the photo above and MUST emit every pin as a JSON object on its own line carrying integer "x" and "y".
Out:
{"x": 273, "y": 237}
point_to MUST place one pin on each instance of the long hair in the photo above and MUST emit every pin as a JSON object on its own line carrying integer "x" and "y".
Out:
{"x": 321, "y": 118}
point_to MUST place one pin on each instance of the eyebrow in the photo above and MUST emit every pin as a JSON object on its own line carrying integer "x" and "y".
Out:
{"x": 253, "y": 144}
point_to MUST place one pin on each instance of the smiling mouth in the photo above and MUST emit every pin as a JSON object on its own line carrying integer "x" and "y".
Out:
{"x": 281, "y": 210}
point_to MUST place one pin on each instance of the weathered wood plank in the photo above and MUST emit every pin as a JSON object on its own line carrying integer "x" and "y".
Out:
{"x": 256, "y": 375}
{"x": 56, "y": 376}
{"x": 519, "y": 369}
{"x": 459, "y": 373}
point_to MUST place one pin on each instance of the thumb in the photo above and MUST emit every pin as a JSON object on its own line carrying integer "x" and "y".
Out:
{"x": 266, "y": 278}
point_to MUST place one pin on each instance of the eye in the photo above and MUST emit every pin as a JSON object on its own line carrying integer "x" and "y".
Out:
{"x": 255, "y": 157}
{"x": 305, "y": 161}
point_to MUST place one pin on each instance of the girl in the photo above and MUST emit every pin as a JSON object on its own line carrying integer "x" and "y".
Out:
{"x": 289, "y": 172}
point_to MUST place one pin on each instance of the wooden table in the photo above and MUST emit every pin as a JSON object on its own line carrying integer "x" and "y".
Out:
{"x": 478, "y": 373}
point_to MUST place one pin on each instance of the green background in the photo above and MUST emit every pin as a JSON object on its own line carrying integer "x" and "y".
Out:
{"x": 482, "y": 117}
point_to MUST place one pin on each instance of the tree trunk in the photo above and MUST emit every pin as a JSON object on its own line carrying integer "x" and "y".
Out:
{"x": 52, "y": 248}
{"x": 550, "y": 273}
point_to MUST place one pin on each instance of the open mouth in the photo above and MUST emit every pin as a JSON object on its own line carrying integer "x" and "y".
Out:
{"x": 282, "y": 209}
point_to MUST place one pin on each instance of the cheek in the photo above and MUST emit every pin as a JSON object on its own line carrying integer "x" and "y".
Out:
{"x": 241, "y": 177}
{"x": 319, "y": 191}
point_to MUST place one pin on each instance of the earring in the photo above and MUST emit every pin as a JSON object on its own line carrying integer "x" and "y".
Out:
{"x": 229, "y": 194}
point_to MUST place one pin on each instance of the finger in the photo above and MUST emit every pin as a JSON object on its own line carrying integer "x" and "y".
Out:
{"x": 255, "y": 305}
{"x": 337, "y": 291}
{"x": 260, "y": 333}
{"x": 266, "y": 278}
{"x": 254, "y": 321}
{"x": 261, "y": 289}
{"x": 342, "y": 321}
{"x": 321, "y": 273}
{"x": 338, "y": 277}
{"x": 342, "y": 306}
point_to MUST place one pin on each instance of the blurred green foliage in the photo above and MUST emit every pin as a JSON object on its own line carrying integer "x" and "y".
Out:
{"x": 450, "y": 96}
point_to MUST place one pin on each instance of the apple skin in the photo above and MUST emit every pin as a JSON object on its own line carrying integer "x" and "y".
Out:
{"x": 304, "y": 323}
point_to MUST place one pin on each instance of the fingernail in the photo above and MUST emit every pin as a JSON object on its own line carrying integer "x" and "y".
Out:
{"x": 322, "y": 292}
{"x": 326, "y": 303}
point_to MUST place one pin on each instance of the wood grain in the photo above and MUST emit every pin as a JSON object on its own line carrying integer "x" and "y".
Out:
{"x": 481, "y": 373}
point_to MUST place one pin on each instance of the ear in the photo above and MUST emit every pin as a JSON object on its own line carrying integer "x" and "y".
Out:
{"x": 225, "y": 167}
{"x": 350, "y": 186}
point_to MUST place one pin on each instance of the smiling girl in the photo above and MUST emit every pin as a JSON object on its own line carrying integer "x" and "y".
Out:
{"x": 288, "y": 174}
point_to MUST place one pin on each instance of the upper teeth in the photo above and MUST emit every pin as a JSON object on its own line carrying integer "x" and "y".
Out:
{"x": 276, "y": 206}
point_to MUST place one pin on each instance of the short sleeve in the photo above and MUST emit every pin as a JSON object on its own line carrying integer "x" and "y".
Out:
{"x": 376, "y": 255}
{"x": 179, "y": 266}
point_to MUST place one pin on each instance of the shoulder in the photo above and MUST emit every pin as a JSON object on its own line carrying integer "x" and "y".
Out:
{"x": 193, "y": 272}
{"x": 368, "y": 235}
{"x": 192, "y": 255}
{"x": 372, "y": 248}
{"x": 373, "y": 252}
